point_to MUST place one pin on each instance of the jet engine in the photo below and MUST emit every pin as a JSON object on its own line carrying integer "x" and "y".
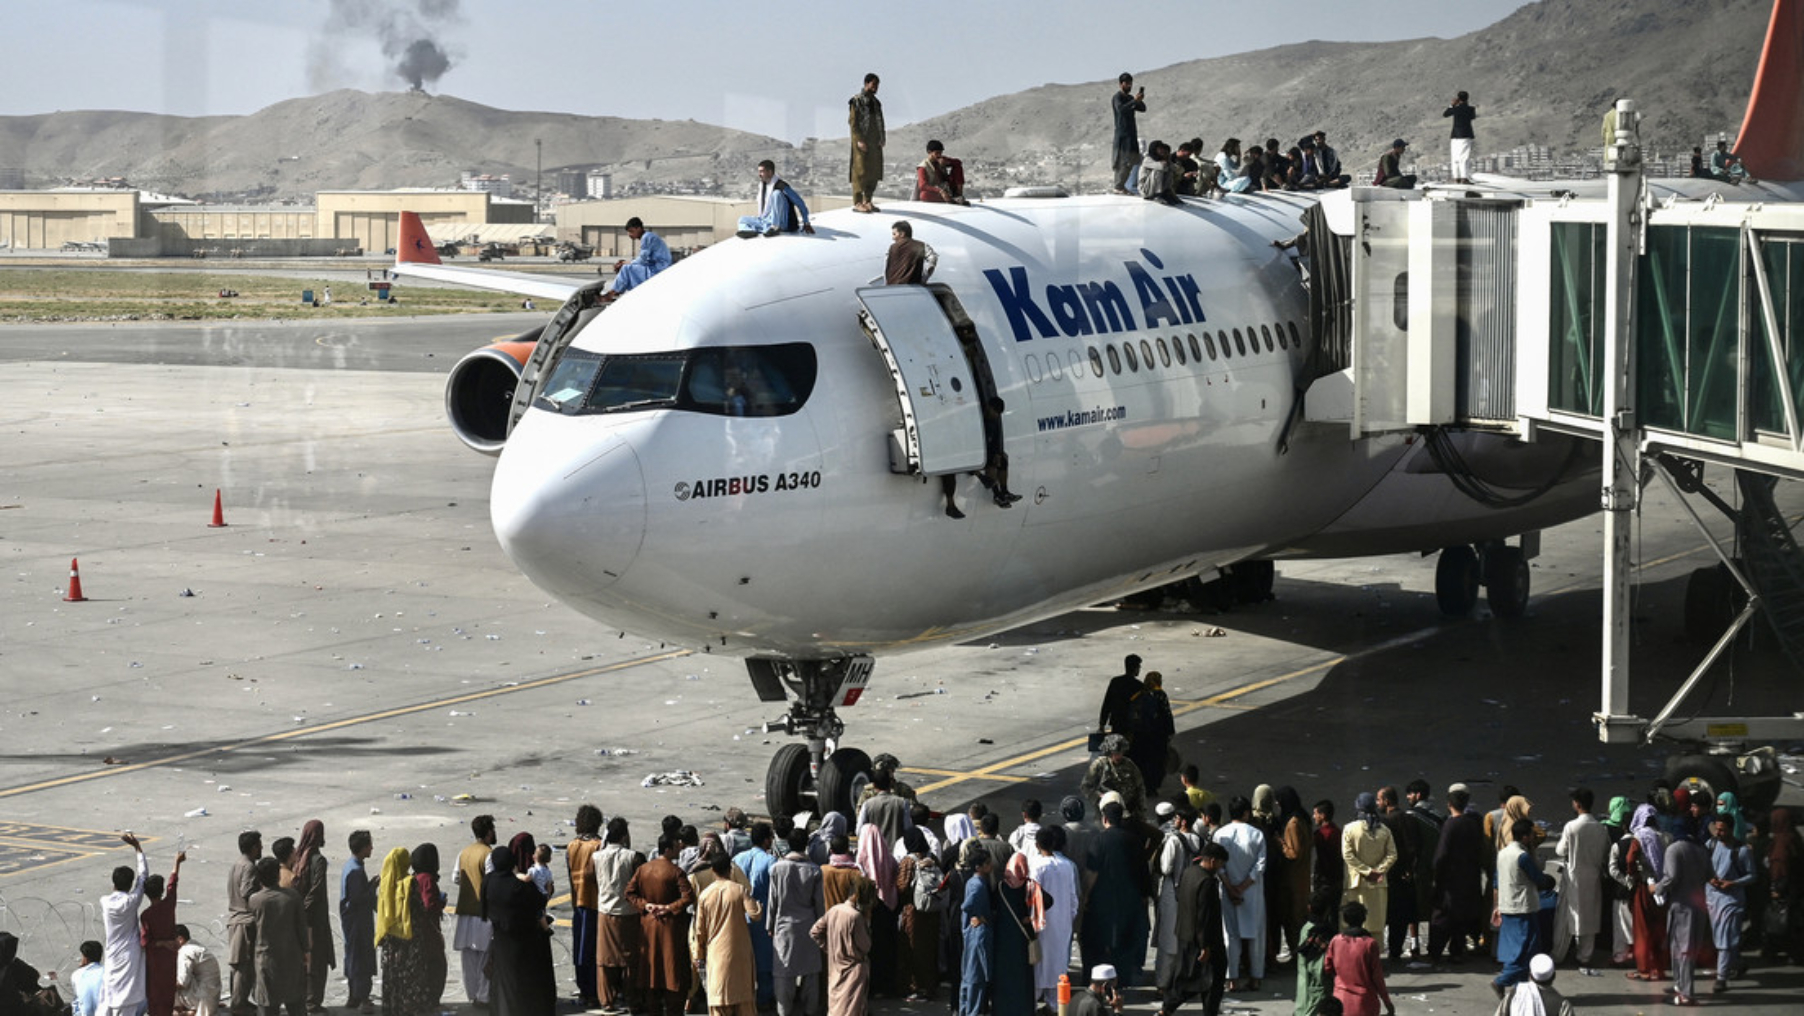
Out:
{"x": 479, "y": 394}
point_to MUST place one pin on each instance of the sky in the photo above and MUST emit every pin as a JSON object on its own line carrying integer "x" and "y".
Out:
{"x": 777, "y": 69}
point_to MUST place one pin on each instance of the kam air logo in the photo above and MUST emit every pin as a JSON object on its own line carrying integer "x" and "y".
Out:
{"x": 1098, "y": 307}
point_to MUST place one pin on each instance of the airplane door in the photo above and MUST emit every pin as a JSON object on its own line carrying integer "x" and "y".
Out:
{"x": 942, "y": 415}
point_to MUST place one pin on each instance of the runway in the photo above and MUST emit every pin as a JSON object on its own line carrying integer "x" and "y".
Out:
{"x": 354, "y": 647}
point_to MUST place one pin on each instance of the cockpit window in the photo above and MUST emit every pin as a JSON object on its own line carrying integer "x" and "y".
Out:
{"x": 718, "y": 380}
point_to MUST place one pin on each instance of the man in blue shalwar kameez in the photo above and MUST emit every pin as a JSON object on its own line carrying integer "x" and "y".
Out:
{"x": 654, "y": 257}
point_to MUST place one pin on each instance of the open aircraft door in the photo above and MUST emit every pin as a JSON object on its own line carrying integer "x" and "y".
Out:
{"x": 942, "y": 412}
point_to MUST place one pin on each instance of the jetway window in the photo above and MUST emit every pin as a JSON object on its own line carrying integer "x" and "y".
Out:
{"x": 1687, "y": 330}
{"x": 1576, "y": 318}
{"x": 1400, "y": 302}
{"x": 1784, "y": 262}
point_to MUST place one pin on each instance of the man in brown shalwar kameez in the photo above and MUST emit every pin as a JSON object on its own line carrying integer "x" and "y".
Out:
{"x": 661, "y": 893}
{"x": 280, "y": 919}
{"x": 616, "y": 922}
{"x": 865, "y": 116}
{"x": 845, "y": 937}
{"x": 906, "y": 265}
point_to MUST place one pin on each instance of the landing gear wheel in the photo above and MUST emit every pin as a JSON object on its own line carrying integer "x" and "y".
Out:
{"x": 1456, "y": 581}
{"x": 1506, "y": 581}
{"x": 786, "y": 780}
{"x": 843, "y": 776}
{"x": 1705, "y": 774}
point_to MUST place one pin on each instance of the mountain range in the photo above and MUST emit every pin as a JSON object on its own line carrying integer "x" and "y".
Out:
{"x": 1542, "y": 75}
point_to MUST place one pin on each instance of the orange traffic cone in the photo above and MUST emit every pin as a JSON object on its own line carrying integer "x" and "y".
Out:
{"x": 74, "y": 593}
{"x": 219, "y": 521}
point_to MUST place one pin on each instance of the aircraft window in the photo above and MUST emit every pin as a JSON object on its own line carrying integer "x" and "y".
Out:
{"x": 637, "y": 382}
{"x": 1196, "y": 352}
{"x": 1146, "y": 353}
{"x": 1283, "y": 343}
{"x": 1295, "y": 342}
{"x": 1053, "y": 366}
{"x": 1266, "y": 331}
{"x": 1240, "y": 345}
{"x": 1177, "y": 347}
{"x": 1114, "y": 359}
{"x": 1096, "y": 361}
{"x": 1133, "y": 361}
{"x": 569, "y": 383}
{"x": 1210, "y": 342}
{"x": 1400, "y": 302}
{"x": 724, "y": 381}
{"x": 1033, "y": 368}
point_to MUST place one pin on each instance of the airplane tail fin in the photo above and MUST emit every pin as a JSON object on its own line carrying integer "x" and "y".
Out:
{"x": 415, "y": 246}
{"x": 1771, "y": 143}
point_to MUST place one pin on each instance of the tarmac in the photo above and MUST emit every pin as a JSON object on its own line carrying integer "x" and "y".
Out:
{"x": 353, "y": 646}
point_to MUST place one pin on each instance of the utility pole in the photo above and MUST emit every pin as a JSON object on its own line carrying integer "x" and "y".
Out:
{"x": 538, "y": 187}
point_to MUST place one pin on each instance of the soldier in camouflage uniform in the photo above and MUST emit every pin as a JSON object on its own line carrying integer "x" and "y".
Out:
{"x": 889, "y": 763}
{"x": 1113, "y": 770}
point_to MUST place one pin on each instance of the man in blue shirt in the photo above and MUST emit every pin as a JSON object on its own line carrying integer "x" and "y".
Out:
{"x": 87, "y": 979}
{"x": 1731, "y": 871}
{"x": 654, "y": 257}
{"x": 779, "y": 206}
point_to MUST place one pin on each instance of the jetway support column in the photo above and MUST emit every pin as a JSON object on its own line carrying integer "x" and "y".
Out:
{"x": 1616, "y": 721}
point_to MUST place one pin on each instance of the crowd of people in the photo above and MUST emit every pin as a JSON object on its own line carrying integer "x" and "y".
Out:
{"x": 820, "y": 913}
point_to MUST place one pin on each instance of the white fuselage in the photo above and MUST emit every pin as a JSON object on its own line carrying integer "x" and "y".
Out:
{"x": 791, "y": 535}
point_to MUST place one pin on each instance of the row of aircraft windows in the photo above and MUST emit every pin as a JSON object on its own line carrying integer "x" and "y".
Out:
{"x": 1222, "y": 345}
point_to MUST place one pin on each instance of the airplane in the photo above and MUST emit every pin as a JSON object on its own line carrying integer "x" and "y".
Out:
{"x": 753, "y": 453}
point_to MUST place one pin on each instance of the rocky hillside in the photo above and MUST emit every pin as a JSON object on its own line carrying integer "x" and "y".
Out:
{"x": 1544, "y": 74}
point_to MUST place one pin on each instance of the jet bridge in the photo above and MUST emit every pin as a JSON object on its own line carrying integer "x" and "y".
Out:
{"x": 1662, "y": 319}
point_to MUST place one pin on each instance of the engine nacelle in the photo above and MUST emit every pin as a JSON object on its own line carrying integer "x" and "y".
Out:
{"x": 479, "y": 394}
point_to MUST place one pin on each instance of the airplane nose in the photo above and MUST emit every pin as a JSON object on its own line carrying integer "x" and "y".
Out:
{"x": 570, "y": 513}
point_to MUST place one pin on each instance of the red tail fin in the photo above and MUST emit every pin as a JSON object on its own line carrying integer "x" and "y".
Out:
{"x": 415, "y": 246}
{"x": 1771, "y": 144}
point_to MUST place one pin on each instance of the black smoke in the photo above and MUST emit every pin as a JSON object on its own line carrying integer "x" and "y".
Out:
{"x": 408, "y": 32}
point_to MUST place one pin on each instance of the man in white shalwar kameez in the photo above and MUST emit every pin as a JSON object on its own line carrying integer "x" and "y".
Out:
{"x": 1057, "y": 876}
{"x": 1177, "y": 851}
{"x": 1243, "y": 891}
{"x": 1585, "y": 848}
{"x": 122, "y": 993}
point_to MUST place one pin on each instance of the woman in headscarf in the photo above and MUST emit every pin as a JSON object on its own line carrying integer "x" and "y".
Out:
{"x": 1783, "y": 862}
{"x": 311, "y": 878}
{"x": 1288, "y": 906}
{"x": 1265, "y": 819}
{"x": 1513, "y": 809}
{"x": 403, "y": 980}
{"x": 1621, "y": 885}
{"x": 1368, "y": 851}
{"x": 521, "y": 982}
{"x": 1727, "y": 805}
{"x": 820, "y": 844}
{"x": 426, "y": 904}
{"x": 1646, "y": 859}
{"x": 918, "y": 961}
{"x": 879, "y": 865}
{"x": 959, "y": 828}
{"x": 1020, "y": 918}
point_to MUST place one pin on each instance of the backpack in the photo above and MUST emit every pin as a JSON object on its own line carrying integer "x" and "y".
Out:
{"x": 929, "y": 887}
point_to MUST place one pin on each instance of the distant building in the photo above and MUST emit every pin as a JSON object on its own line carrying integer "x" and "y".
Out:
{"x": 573, "y": 182}
{"x": 601, "y": 185}
{"x": 500, "y": 186}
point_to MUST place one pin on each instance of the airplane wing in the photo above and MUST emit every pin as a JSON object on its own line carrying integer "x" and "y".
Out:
{"x": 416, "y": 257}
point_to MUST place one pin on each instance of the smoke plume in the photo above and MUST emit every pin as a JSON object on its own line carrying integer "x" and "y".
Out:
{"x": 406, "y": 30}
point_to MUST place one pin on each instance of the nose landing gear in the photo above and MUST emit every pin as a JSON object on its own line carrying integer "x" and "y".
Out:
{"x": 820, "y": 775}
{"x": 1501, "y": 569}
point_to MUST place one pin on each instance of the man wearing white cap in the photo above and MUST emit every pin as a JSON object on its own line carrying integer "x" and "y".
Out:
{"x": 1101, "y": 998}
{"x": 1535, "y": 997}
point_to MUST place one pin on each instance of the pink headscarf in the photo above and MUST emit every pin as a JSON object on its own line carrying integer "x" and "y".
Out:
{"x": 1015, "y": 876}
{"x": 877, "y": 863}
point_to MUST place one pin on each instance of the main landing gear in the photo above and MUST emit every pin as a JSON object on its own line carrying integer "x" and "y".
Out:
{"x": 820, "y": 775}
{"x": 1500, "y": 568}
